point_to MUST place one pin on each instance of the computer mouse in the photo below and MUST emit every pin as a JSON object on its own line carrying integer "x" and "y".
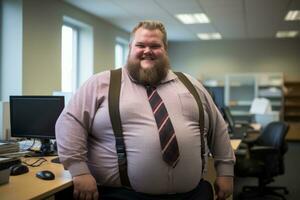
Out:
{"x": 45, "y": 175}
{"x": 18, "y": 169}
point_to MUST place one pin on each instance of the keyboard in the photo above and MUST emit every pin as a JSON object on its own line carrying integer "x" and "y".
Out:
{"x": 15, "y": 154}
{"x": 8, "y": 162}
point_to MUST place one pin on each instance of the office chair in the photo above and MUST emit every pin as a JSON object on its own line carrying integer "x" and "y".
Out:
{"x": 236, "y": 130}
{"x": 265, "y": 160}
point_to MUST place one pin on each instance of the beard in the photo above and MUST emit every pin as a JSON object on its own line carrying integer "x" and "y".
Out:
{"x": 150, "y": 76}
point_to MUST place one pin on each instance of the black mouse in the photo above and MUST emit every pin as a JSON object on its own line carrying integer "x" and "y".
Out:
{"x": 45, "y": 175}
{"x": 18, "y": 169}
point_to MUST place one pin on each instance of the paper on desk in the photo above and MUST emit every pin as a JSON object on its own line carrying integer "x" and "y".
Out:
{"x": 260, "y": 106}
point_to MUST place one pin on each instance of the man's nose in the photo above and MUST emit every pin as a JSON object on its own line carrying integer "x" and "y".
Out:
{"x": 148, "y": 50}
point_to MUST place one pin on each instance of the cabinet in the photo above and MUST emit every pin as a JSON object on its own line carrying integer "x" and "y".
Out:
{"x": 270, "y": 86}
{"x": 241, "y": 89}
{"x": 292, "y": 108}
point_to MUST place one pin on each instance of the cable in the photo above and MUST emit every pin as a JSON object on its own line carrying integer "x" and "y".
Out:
{"x": 36, "y": 163}
{"x": 29, "y": 148}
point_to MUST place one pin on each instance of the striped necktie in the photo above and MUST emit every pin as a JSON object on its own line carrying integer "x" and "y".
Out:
{"x": 168, "y": 141}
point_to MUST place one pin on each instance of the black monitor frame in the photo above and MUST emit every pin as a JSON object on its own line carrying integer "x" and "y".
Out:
{"x": 35, "y": 117}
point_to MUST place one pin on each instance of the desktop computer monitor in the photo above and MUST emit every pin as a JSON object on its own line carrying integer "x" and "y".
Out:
{"x": 35, "y": 117}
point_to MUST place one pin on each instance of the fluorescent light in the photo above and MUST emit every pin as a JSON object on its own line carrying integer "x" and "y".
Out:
{"x": 293, "y": 15}
{"x": 287, "y": 34}
{"x": 201, "y": 18}
{"x": 196, "y": 18}
{"x": 203, "y": 36}
{"x": 209, "y": 36}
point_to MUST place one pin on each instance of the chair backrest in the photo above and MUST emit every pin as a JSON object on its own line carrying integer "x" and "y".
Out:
{"x": 274, "y": 135}
{"x": 228, "y": 118}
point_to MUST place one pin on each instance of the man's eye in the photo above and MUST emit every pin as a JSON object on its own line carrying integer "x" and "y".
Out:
{"x": 155, "y": 47}
{"x": 139, "y": 45}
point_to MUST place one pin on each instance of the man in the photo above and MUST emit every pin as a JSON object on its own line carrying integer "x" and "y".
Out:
{"x": 86, "y": 143}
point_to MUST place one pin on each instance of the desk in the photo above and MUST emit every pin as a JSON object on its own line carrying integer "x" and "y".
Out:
{"x": 256, "y": 127}
{"x": 211, "y": 172}
{"x": 235, "y": 143}
{"x": 28, "y": 186}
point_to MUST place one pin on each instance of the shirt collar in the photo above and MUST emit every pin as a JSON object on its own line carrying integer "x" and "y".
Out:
{"x": 170, "y": 77}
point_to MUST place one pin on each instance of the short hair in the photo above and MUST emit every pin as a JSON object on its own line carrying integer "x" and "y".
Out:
{"x": 151, "y": 25}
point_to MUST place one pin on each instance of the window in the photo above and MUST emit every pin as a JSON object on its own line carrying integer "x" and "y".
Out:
{"x": 69, "y": 69}
{"x": 77, "y": 54}
{"x": 121, "y": 51}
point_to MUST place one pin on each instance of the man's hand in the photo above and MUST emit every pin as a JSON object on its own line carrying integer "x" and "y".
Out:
{"x": 223, "y": 187}
{"x": 85, "y": 187}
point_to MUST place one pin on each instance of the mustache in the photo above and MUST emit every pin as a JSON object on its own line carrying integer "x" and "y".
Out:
{"x": 149, "y": 76}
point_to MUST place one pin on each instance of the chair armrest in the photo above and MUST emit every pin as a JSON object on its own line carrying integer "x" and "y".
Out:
{"x": 263, "y": 152}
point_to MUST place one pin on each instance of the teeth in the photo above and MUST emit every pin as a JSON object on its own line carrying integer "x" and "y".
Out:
{"x": 147, "y": 58}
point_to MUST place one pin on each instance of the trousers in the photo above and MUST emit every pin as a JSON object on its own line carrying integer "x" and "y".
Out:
{"x": 203, "y": 191}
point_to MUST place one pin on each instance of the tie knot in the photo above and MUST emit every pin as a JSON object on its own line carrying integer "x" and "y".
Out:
{"x": 150, "y": 88}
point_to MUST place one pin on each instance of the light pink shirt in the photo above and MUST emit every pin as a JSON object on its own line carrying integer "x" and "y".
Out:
{"x": 86, "y": 143}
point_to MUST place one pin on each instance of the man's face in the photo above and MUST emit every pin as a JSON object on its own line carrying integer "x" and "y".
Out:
{"x": 148, "y": 61}
{"x": 147, "y": 48}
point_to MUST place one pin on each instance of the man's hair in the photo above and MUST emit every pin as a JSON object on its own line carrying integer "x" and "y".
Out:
{"x": 151, "y": 25}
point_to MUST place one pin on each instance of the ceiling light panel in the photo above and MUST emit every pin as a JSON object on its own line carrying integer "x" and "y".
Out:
{"x": 293, "y": 15}
{"x": 287, "y": 34}
{"x": 209, "y": 36}
{"x": 196, "y": 18}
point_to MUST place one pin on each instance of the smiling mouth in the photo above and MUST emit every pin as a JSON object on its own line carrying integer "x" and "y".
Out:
{"x": 147, "y": 58}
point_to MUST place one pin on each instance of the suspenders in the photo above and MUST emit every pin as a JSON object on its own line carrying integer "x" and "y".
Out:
{"x": 114, "y": 112}
{"x": 195, "y": 94}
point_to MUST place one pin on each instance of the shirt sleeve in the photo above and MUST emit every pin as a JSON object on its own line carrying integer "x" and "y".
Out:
{"x": 75, "y": 122}
{"x": 219, "y": 146}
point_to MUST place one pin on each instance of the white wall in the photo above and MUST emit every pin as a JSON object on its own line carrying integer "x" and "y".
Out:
{"x": 42, "y": 21}
{"x": 221, "y": 57}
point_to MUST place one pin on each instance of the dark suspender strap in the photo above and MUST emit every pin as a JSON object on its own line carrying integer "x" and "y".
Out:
{"x": 114, "y": 112}
{"x": 193, "y": 91}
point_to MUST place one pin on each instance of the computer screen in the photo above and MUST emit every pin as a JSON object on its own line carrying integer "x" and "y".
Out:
{"x": 35, "y": 116}
{"x": 217, "y": 95}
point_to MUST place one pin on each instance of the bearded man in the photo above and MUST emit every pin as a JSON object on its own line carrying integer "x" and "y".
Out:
{"x": 161, "y": 131}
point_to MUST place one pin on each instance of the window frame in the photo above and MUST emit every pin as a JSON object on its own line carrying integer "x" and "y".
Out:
{"x": 124, "y": 44}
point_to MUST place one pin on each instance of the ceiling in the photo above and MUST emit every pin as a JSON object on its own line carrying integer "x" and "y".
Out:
{"x": 234, "y": 19}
